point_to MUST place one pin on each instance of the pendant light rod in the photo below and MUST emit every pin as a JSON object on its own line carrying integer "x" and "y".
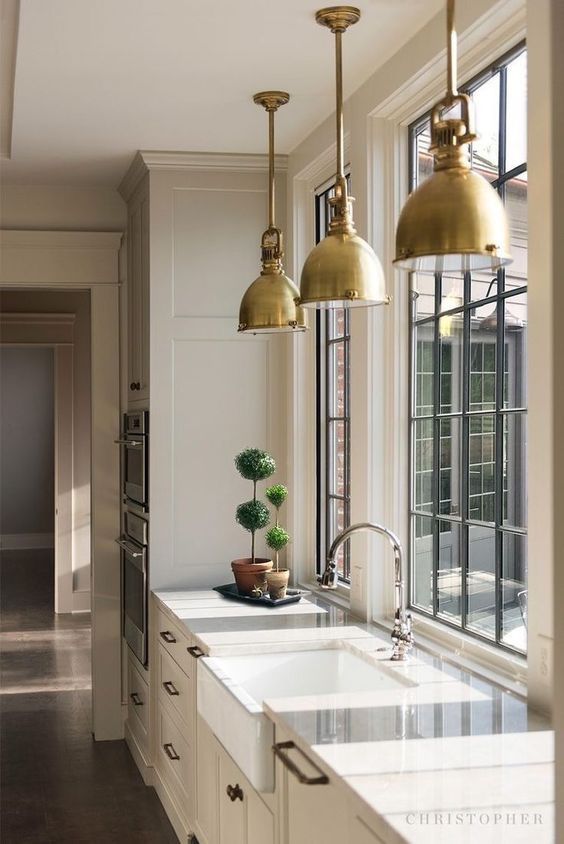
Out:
{"x": 339, "y": 104}
{"x": 271, "y": 102}
{"x": 452, "y": 53}
{"x": 271, "y": 186}
{"x": 338, "y": 19}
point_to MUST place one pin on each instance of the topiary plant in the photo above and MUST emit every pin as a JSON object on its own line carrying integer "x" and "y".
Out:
{"x": 254, "y": 465}
{"x": 277, "y": 539}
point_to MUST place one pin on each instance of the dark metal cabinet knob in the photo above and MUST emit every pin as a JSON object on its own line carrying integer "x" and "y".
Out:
{"x": 136, "y": 699}
{"x": 135, "y": 385}
{"x": 234, "y": 792}
{"x": 167, "y": 636}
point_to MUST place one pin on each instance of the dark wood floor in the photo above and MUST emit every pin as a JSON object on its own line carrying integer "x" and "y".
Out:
{"x": 56, "y": 783}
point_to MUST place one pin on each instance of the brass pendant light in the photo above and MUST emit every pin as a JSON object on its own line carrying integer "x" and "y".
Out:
{"x": 270, "y": 304}
{"x": 342, "y": 270}
{"x": 455, "y": 220}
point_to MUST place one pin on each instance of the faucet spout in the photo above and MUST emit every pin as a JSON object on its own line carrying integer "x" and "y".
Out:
{"x": 402, "y": 636}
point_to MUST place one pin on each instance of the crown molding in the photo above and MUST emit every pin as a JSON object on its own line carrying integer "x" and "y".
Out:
{"x": 146, "y": 161}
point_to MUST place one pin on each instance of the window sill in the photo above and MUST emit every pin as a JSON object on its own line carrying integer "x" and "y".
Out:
{"x": 487, "y": 660}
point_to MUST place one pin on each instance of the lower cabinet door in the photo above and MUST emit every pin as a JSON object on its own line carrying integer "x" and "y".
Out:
{"x": 314, "y": 810}
{"x": 207, "y": 782}
{"x": 233, "y": 801}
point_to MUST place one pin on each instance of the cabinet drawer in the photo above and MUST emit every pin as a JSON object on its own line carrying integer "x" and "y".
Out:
{"x": 138, "y": 714}
{"x": 174, "y": 760}
{"x": 176, "y": 687}
{"x": 174, "y": 641}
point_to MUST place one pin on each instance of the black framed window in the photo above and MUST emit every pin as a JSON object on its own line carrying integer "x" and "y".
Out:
{"x": 468, "y": 549}
{"x": 333, "y": 416}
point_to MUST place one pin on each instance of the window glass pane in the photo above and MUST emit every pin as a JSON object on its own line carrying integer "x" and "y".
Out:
{"x": 516, "y": 151}
{"x": 423, "y": 465}
{"x": 452, "y": 292}
{"x": 480, "y": 581}
{"x": 423, "y": 288}
{"x": 515, "y": 352}
{"x": 485, "y": 150}
{"x": 483, "y": 285}
{"x": 423, "y": 156}
{"x": 337, "y": 523}
{"x": 337, "y": 458}
{"x": 450, "y": 339}
{"x": 449, "y": 579}
{"x": 516, "y": 206}
{"x": 514, "y": 591}
{"x": 337, "y": 379}
{"x": 481, "y": 468}
{"x": 450, "y": 466}
{"x": 482, "y": 366}
{"x": 424, "y": 377}
{"x": 337, "y": 323}
{"x": 422, "y": 579}
{"x": 515, "y": 470}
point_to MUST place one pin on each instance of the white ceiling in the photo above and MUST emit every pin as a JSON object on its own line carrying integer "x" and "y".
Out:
{"x": 95, "y": 80}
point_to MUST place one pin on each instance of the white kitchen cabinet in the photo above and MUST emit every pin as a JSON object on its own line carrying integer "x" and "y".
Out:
{"x": 228, "y": 809}
{"x": 313, "y": 810}
{"x": 138, "y": 712}
{"x": 138, "y": 295}
{"x": 207, "y": 783}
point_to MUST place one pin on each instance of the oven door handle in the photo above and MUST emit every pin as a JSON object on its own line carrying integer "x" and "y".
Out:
{"x": 131, "y": 443}
{"x": 127, "y": 547}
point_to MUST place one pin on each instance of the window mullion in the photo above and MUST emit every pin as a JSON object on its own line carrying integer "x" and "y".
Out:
{"x": 464, "y": 551}
{"x": 436, "y": 444}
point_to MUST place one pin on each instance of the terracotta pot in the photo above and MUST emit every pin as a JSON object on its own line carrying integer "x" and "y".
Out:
{"x": 277, "y": 582}
{"x": 251, "y": 577}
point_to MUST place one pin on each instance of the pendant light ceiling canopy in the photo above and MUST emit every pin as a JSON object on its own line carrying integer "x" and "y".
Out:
{"x": 271, "y": 303}
{"x": 342, "y": 270}
{"x": 455, "y": 220}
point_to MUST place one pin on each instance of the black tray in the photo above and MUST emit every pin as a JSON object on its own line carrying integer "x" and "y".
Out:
{"x": 229, "y": 590}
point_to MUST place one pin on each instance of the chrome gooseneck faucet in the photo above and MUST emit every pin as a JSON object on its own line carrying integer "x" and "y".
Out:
{"x": 402, "y": 636}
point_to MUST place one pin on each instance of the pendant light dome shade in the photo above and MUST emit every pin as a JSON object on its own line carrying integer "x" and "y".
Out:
{"x": 455, "y": 220}
{"x": 270, "y": 305}
{"x": 342, "y": 270}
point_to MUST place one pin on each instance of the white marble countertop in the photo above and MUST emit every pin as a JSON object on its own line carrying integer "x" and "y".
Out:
{"x": 453, "y": 758}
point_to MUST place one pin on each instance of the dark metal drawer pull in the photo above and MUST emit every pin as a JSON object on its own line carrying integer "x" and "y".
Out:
{"x": 136, "y": 699}
{"x": 279, "y": 749}
{"x": 195, "y": 651}
{"x": 167, "y": 636}
{"x": 171, "y": 752}
{"x": 234, "y": 792}
{"x": 170, "y": 688}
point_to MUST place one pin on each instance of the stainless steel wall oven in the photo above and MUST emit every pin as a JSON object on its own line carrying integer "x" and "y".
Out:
{"x": 135, "y": 444}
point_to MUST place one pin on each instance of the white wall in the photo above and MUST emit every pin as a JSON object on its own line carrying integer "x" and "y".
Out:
{"x": 78, "y": 304}
{"x": 213, "y": 392}
{"x": 27, "y": 447}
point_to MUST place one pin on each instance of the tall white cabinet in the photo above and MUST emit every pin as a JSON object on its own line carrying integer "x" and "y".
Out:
{"x": 195, "y": 223}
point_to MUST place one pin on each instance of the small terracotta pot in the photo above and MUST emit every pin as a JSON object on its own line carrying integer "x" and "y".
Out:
{"x": 277, "y": 582}
{"x": 251, "y": 577}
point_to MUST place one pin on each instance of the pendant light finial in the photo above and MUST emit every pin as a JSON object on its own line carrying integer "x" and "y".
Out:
{"x": 342, "y": 270}
{"x": 270, "y": 304}
{"x": 454, "y": 221}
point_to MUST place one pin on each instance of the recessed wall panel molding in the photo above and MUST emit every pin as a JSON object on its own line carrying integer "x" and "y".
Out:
{"x": 219, "y": 408}
{"x": 206, "y": 255}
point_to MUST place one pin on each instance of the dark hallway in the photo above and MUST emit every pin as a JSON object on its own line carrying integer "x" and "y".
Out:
{"x": 56, "y": 784}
